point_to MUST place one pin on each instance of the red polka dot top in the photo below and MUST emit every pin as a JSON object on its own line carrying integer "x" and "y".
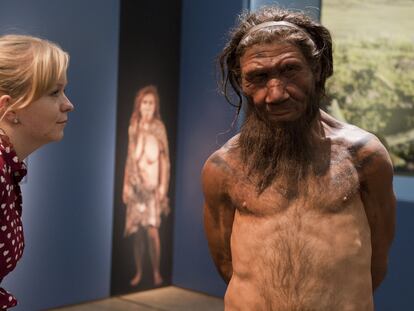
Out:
{"x": 12, "y": 170}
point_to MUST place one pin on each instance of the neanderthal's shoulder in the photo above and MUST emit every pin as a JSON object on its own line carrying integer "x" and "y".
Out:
{"x": 354, "y": 138}
{"x": 365, "y": 148}
{"x": 224, "y": 161}
{"x": 348, "y": 135}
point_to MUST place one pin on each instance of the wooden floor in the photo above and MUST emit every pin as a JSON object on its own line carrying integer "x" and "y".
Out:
{"x": 163, "y": 299}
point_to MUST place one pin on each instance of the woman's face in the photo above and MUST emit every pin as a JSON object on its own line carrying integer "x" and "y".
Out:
{"x": 147, "y": 107}
{"x": 43, "y": 120}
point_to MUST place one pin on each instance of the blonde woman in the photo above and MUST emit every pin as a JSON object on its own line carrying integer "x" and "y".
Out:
{"x": 147, "y": 174}
{"x": 33, "y": 112}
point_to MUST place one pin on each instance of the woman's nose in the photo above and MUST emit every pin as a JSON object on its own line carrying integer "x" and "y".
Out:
{"x": 67, "y": 106}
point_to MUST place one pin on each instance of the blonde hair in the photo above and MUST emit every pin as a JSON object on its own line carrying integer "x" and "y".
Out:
{"x": 29, "y": 68}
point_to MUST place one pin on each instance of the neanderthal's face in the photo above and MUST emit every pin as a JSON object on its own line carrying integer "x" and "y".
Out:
{"x": 278, "y": 81}
{"x": 147, "y": 107}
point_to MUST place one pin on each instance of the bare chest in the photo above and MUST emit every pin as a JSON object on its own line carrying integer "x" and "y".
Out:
{"x": 147, "y": 150}
{"x": 330, "y": 192}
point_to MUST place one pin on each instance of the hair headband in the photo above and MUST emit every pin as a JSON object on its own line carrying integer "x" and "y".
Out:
{"x": 275, "y": 24}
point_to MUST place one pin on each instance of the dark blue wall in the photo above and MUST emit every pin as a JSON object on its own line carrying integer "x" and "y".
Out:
{"x": 203, "y": 114}
{"x": 395, "y": 293}
{"x": 67, "y": 201}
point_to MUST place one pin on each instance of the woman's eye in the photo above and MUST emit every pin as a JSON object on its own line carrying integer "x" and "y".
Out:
{"x": 55, "y": 93}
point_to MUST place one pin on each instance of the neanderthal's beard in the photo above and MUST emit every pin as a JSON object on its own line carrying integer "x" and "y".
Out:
{"x": 273, "y": 150}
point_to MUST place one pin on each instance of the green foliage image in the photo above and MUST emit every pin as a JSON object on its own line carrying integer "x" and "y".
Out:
{"x": 373, "y": 82}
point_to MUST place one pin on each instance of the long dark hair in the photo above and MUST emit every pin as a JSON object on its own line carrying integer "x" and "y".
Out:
{"x": 317, "y": 51}
{"x": 136, "y": 113}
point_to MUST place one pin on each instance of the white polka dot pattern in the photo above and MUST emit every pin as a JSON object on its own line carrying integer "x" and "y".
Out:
{"x": 11, "y": 230}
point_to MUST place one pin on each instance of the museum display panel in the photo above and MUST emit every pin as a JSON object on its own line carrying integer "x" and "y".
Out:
{"x": 146, "y": 126}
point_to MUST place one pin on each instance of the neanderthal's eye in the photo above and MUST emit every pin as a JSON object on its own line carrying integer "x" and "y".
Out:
{"x": 257, "y": 77}
{"x": 290, "y": 69}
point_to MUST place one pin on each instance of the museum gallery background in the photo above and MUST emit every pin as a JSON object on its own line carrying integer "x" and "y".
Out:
{"x": 69, "y": 197}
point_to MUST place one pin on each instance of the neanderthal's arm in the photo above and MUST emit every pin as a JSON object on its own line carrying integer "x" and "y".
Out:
{"x": 218, "y": 216}
{"x": 379, "y": 202}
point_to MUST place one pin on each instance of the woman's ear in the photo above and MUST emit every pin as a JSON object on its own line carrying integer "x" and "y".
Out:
{"x": 11, "y": 116}
{"x": 8, "y": 115}
{"x": 4, "y": 102}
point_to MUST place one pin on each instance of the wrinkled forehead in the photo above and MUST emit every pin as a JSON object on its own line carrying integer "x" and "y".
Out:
{"x": 271, "y": 52}
{"x": 262, "y": 50}
{"x": 278, "y": 34}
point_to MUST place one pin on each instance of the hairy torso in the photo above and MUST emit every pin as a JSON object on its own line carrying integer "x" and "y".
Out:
{"x": 302, "y": 246}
